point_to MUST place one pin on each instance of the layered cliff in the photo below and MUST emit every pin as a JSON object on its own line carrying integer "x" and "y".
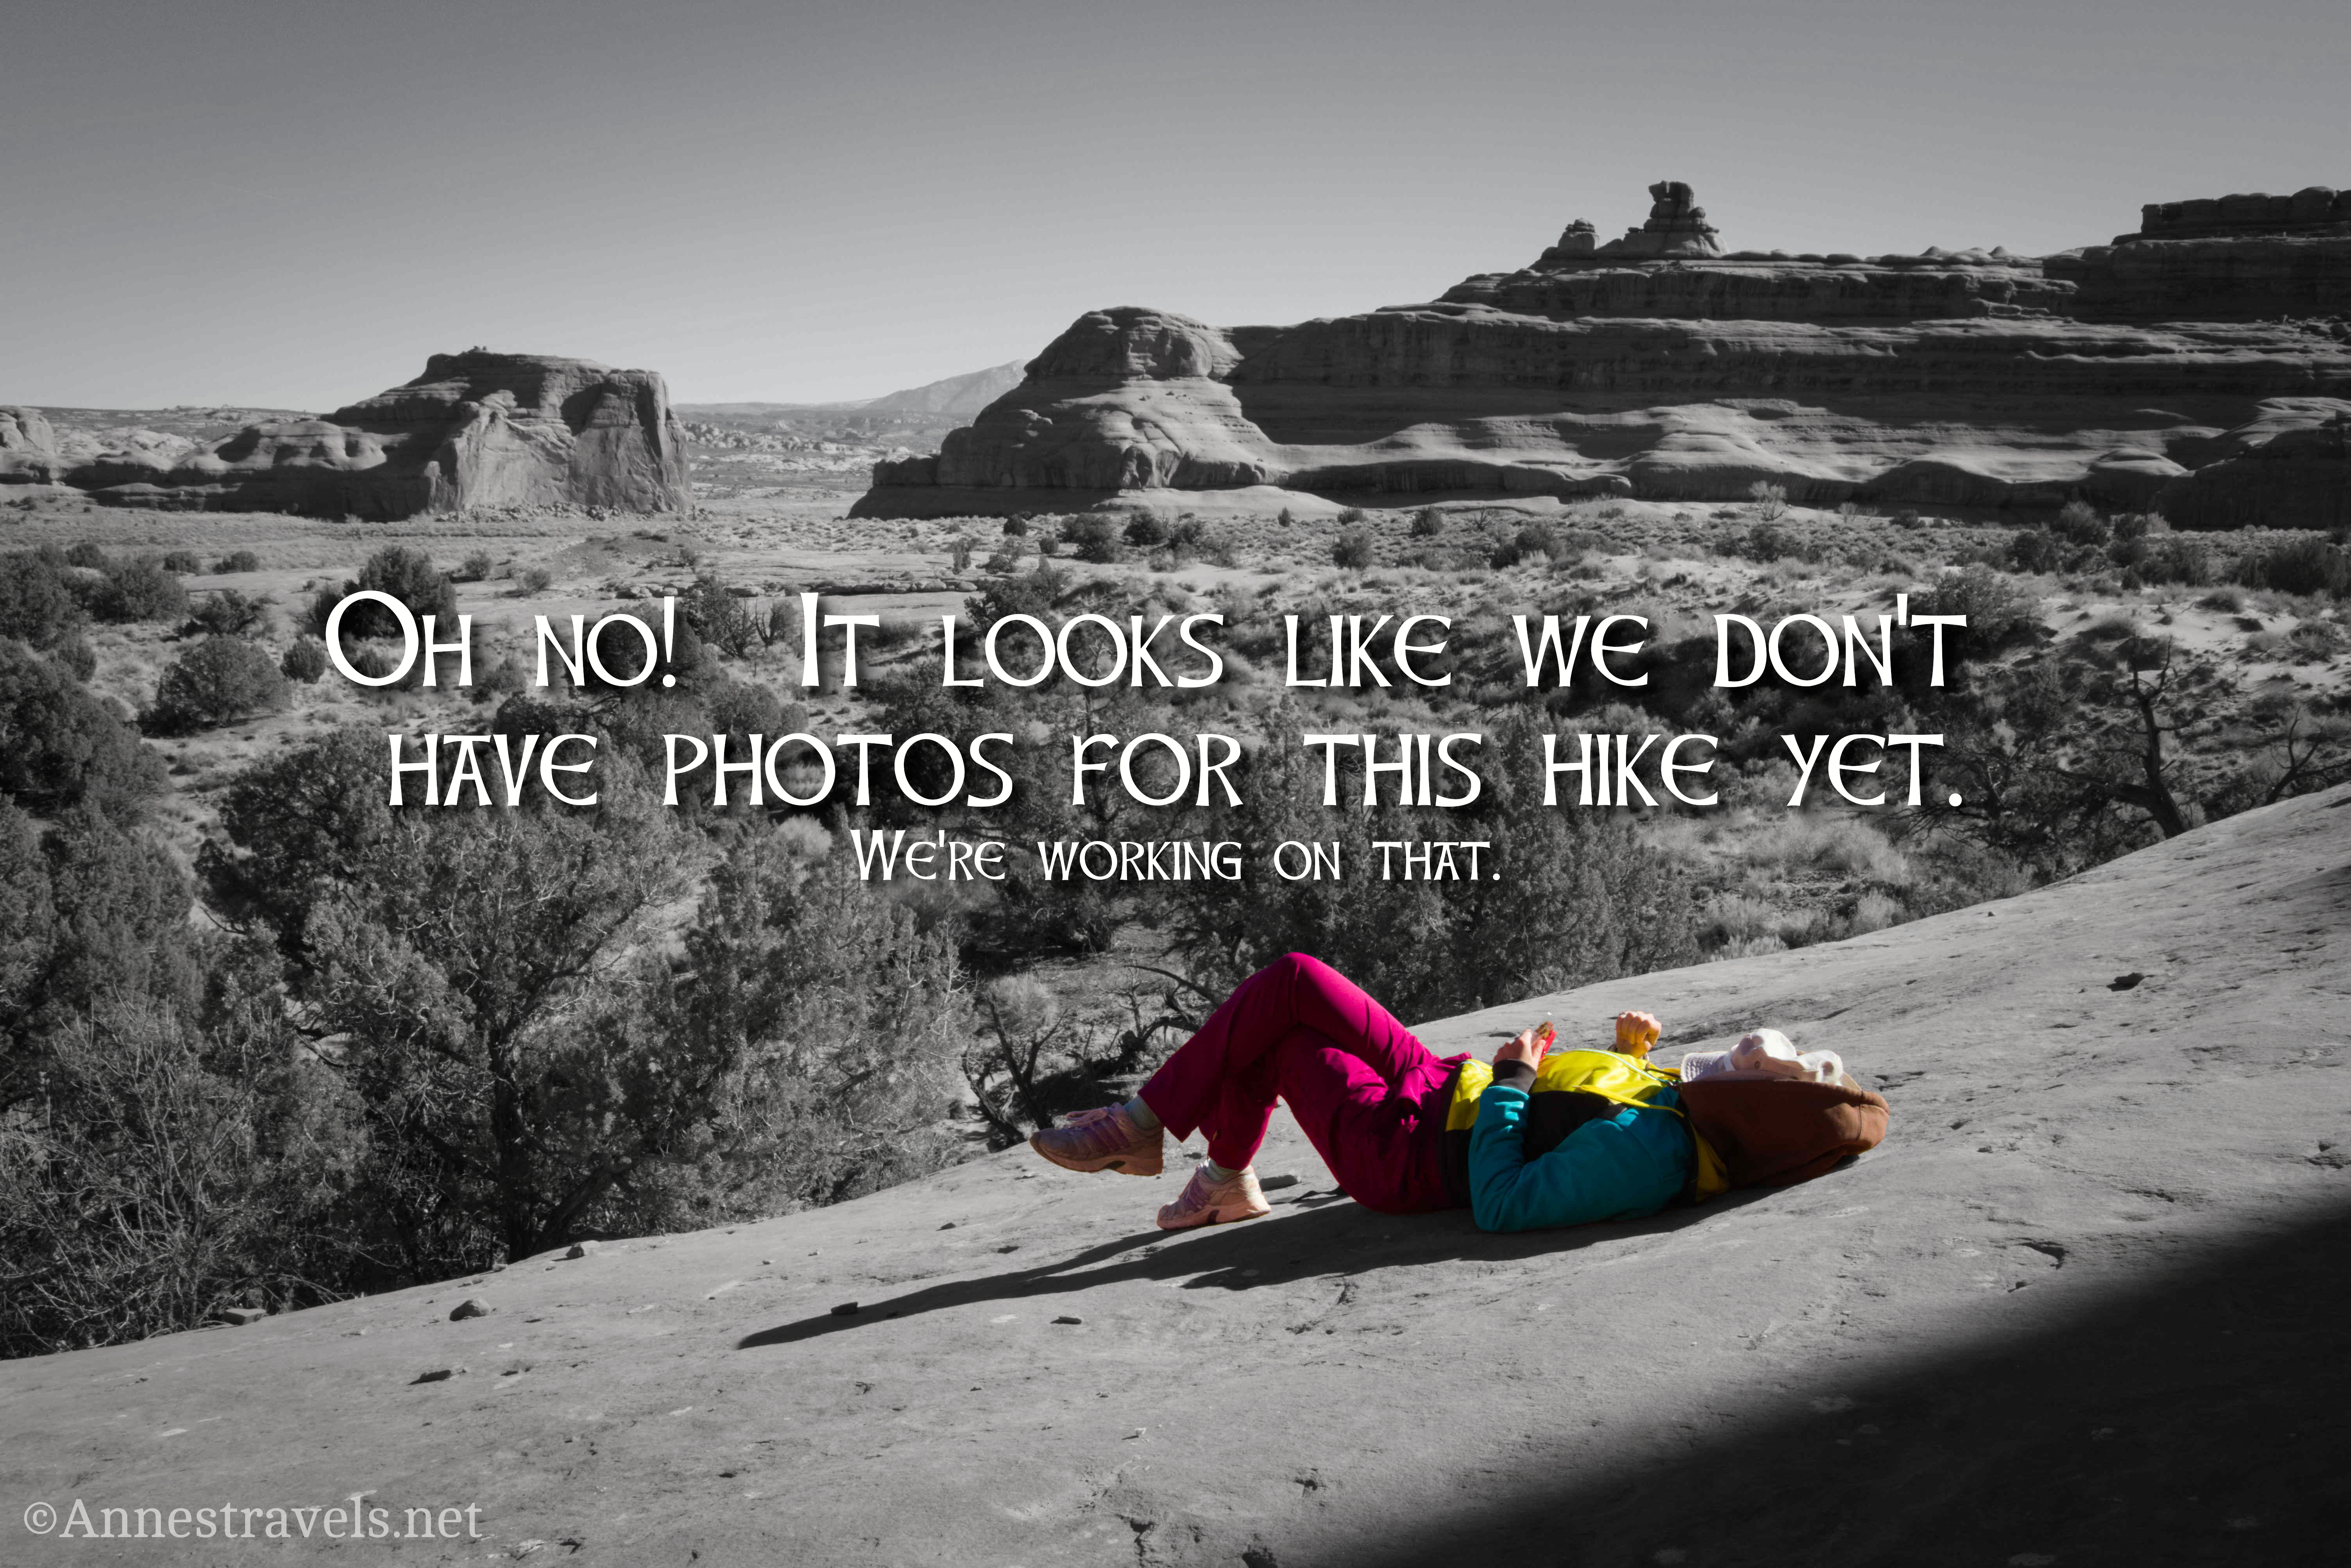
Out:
{"x": 476, "y": 429}
{"x": 1658, "y": 366}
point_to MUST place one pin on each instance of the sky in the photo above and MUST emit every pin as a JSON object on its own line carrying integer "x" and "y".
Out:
{"x": 279, "y": 204}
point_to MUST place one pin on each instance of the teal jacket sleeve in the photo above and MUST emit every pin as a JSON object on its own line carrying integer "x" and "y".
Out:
{"x": 1631, "y": 1164}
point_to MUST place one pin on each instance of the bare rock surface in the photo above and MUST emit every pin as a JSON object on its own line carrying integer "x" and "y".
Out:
{"x": 2081, "y": 1308}
{"x": 475, "y": 430}
{"x": 1659, "y": 366}
{"x": 29, "y": 447}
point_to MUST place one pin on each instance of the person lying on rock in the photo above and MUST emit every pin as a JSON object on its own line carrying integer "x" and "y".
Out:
{"x": 1540, "y": 1138}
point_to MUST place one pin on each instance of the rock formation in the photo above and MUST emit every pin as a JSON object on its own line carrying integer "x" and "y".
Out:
{"x": 1677, "y": 226}
{"x": 2231, "y": 258}
{"x": 476, "y": 429}
{"x": 29, "y": 447}
{"x": 1658, "y": 366}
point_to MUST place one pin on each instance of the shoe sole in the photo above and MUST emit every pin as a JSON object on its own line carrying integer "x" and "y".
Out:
{"x": 1124, "y": 1163}
{"x": 1217, "y": 1217}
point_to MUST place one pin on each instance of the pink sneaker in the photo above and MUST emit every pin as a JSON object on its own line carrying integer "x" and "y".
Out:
{"x": 1216, "y": 1202}
{"x": 1104, "y": 1138}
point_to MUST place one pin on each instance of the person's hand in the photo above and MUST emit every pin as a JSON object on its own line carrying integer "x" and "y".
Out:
{"x": 1528, "y": 1046}
{"x": 1636, "y": 1032}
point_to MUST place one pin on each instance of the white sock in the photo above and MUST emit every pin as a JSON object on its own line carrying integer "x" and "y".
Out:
{"x": 1218, "y": 1174}
{"x": 1140, "y": 1114}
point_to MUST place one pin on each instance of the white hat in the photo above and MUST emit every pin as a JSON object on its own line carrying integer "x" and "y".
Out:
{"x": 1764, "y": 1054}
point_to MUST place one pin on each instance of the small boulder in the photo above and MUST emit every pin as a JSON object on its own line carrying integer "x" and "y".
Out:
{"x": 584, "y": 1250}
{"x": 237, "y": 1317}
{"x": 471, "y": 1307}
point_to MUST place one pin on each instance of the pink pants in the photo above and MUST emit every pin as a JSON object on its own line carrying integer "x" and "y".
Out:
{"x": 1369, "y": 1096}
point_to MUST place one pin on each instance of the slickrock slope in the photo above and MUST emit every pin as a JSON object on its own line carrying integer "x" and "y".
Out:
{"x": 476, "y": 429}
{"x": 2082, "y": 1307}
{"x": 2136, "y": 375}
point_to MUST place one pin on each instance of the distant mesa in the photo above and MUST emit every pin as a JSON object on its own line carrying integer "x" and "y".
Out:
{"x": 476, "y": 429}
{"x": 2313, "y": 210}
{"x": 2201, "y": 367}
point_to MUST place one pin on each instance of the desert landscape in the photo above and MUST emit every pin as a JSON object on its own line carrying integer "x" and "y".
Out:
{"x": 522, "y": 1023}
{"x": 2065, "y": 1315}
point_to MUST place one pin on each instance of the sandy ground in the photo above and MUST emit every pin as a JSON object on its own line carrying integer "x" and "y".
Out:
{"x": 2082, "y": 1307}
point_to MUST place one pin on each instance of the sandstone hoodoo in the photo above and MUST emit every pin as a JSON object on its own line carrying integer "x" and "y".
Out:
{"x": 2201, "y": 367}
{"x": 476, "y": 429}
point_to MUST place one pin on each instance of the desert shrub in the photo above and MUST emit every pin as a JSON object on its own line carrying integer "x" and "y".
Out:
{"x": 1428, "y": 523}
{"x": 85, "y": 553}
{"x": 536, "y": 1066}
{"x": 1092, "y": 537}
{"x": 139, "y": 590}
{"x": 2035, "y": 549}
{"x": 2308, "y": 564}
{"x": 1353, "y": 518}
{"x": 1796, "y": 842}
{"x": 407, "y": 575}
{"x": 216, "y": 681}
{"x": 2079, "y": 523}
{"x": 1015, "y": 525}
{"x": 959, "y": 552}
{"x": 1766, "y": 543}
{"x": 1874, "y": 910}
{"x": 1998, "y": 616}
{"x": 533, "y": 579}
{"x": 145, "y": 1190}
{"x": 1770, "y": 500}
{"x": 502, "y": 679}
{"x": 184, "y": 561}
{"x": 237, "y": 561}
{"x": 174, "y": 1170}
{"x": 76, "y": 655}
{"x": 373, "y": 661}
{"x": 1003, "y": 558}
{"x": 721, "y": 617}
{"x": 1145, "y": 530}
{"x": 1215, "y": 546}
{"x": 2182, "y": 558}
{"x": 226, "y": 612}
{"x": 305, "y": 661}
{"x": 2227, "y": 600}
{"x": 477, "y": 566}
{"x": 1353, "y": 549}
{"x": 1532, "y": 541}
{"x": 821, "y": 1027}
{"x": 37, "y": 607}
{"x": 60, "y": 745}
{"x": 1734, "y": 918}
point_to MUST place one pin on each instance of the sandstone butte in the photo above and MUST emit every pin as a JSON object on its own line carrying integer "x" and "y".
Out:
{"x": 476, "y": 429}
{"x": 2082, "y": 1307}
{"x": 2200, "y": 366}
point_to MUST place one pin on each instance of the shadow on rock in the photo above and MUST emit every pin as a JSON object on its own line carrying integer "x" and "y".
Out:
{"x": 2190, "y": 1415}
{"x": 1312, "y": 1238}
